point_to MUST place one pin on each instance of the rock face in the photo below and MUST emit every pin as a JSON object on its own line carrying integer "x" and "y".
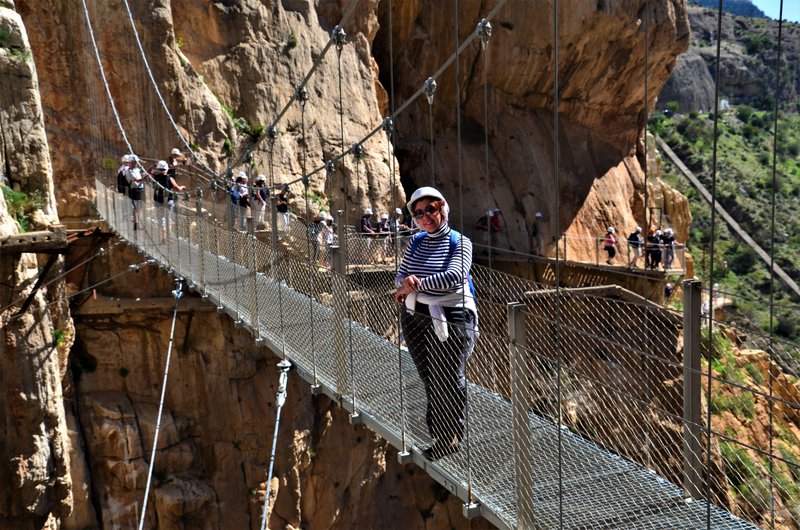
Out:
{"x": 602, "y": 109}
{"x": 748, "y": 52}
{"x": 35, "y": 448}
{"x": 243, "y": 60}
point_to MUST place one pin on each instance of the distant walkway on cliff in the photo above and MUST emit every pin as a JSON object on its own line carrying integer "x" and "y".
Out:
{"x": 732, "y": 224}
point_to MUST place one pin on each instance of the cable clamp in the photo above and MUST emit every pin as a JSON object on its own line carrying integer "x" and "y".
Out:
{"x": 272, "y": 132}
{"x": 357, "y": 150}
{"x": 330, "y": 167}
{"x": 301, "y": 95}
{"x": 388, "y": 125}
{"x": 339, "y": 37}
{"x": 429, "y": 88}
{"x": 484, "y": 31}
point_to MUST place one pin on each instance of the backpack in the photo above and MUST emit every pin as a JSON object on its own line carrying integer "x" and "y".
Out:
{"x": 122, "y": 182}
{"x": 454, "y": 236}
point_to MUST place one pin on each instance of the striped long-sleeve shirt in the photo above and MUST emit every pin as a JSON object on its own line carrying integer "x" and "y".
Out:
{"x": 430, "y": 263}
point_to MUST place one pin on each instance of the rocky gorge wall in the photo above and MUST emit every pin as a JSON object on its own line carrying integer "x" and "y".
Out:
{"x": 247, "y": 56}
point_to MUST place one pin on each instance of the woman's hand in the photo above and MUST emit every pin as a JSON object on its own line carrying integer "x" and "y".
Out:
{"x": 410, "y": 284}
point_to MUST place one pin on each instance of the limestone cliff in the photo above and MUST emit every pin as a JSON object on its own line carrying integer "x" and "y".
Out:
{"x": 35, "y": 462}
{"x": 606, "y": 88}
{"x": 242, "y": 59}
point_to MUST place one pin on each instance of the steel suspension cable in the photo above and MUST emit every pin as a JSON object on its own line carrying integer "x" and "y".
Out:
{"x": 464, "y": 272}
{"x": 559, "y": 353}
{"x": 177, "y": 293}
{"x": 773, "y": 199}
{"x": 331, "y": 41}
{"x": 160, "y": 97}
{"x": 103, "y": 75}
{"x": 280, "y": 398}
{"x": 413, "y": 97}
{"x": 311, "y": 231}
{"x": 712, "y": 248}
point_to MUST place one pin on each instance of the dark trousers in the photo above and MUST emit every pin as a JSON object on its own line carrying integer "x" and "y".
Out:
{"x": 442, "y": 367}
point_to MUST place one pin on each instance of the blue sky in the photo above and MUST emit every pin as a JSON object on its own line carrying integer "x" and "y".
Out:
{"x": 791, "y": 9}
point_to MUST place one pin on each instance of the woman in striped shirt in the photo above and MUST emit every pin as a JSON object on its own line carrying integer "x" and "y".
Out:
{"x": 441, "y": 320}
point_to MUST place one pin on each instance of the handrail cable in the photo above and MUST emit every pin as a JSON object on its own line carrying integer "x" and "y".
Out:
{"x": 177, "y": 293}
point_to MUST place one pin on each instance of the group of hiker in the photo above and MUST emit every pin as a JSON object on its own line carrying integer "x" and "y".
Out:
{"x": 131, "y": 178}
{"x": 658, "y": 247}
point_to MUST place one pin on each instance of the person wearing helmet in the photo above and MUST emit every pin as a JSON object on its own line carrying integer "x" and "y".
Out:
{"x": 610, "y": 245}
{"x": 537, "y": 234}
{"x": 653, "y": 248}
{"x": 135, "y": 179}
{"x": 243, "y": 192}
{"x": 667, "y": 248}
{"x": 260, "y": 199}
{"x": 282, "y": 207}
{"x": 441, "y": 319}
{"x": 174, "y": 160}
{"x": 365, "y": 224}
{"x": 634, "y": 247}
{"x": 164, "y": 196}
{"x": 122, "y": 182}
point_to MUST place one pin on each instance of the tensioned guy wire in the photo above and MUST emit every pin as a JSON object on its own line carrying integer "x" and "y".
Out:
{"x": 773, "y": 198}
{"x": 710, "y": 317}
{"x": 177, "y": 293}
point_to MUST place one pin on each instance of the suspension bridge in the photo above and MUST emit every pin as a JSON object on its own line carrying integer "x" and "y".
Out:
{"x": 585, "y": 406}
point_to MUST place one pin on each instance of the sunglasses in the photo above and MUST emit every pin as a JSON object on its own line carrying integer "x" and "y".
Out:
{"x": 430, "y": 209}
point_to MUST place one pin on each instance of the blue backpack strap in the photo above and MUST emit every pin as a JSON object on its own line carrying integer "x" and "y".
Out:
{"x": 454, "y": 238}
{"x": 415, "y": 241}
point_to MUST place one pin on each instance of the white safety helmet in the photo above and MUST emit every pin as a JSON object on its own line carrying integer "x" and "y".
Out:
{"x": 242, "y": 175}
{"x": 538, "y": 214}
{"x": 125, "y": 158}
{"x": 611, "y": 229}
{"x": 133, "y": 159}
{"x": 162, "y": 165}
{"x": 384, "y": 216}
{"x": 368, "y": 211}
{"x": 264, "y": 179}
{"x": 425, "y": 191}
{"x": 668, "y": 231}
{"x": 658, "y": 232}
{"x": 638, "y": 229}
{"x": 323, "y": 216}
{"x": 398, "y": 211}
{"x": 175, "y": 151}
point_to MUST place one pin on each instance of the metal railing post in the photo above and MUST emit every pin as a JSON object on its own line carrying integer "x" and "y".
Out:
{"x": 523, "y": 470}
{"x": 254, "y": 322}
{"x": 339, "y": 292}
{"x": 692, "y": 421}
{"x": 273, "y": 219}
{"x": 198, "y": 216}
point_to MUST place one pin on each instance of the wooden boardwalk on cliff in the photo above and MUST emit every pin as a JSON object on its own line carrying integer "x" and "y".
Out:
{"x": 564, "y": 479}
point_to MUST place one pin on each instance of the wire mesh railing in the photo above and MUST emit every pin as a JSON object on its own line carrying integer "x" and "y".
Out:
{"x": 578, "y": 410}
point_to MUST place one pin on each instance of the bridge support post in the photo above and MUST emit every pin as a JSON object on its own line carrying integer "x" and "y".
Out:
{"x": 273, "y": 234}
{"x": 254, "y": 323}
{"x": 692, "y": 421}
{"x": 339, "y": 292}
{"x": 200, "y": 240}
{"x": 522, "y": 446}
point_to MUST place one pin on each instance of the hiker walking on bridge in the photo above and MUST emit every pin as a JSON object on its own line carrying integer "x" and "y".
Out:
{"x": 441, "y": 319}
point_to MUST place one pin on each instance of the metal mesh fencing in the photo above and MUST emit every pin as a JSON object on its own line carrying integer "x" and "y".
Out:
{"x": 573, "y": 410}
